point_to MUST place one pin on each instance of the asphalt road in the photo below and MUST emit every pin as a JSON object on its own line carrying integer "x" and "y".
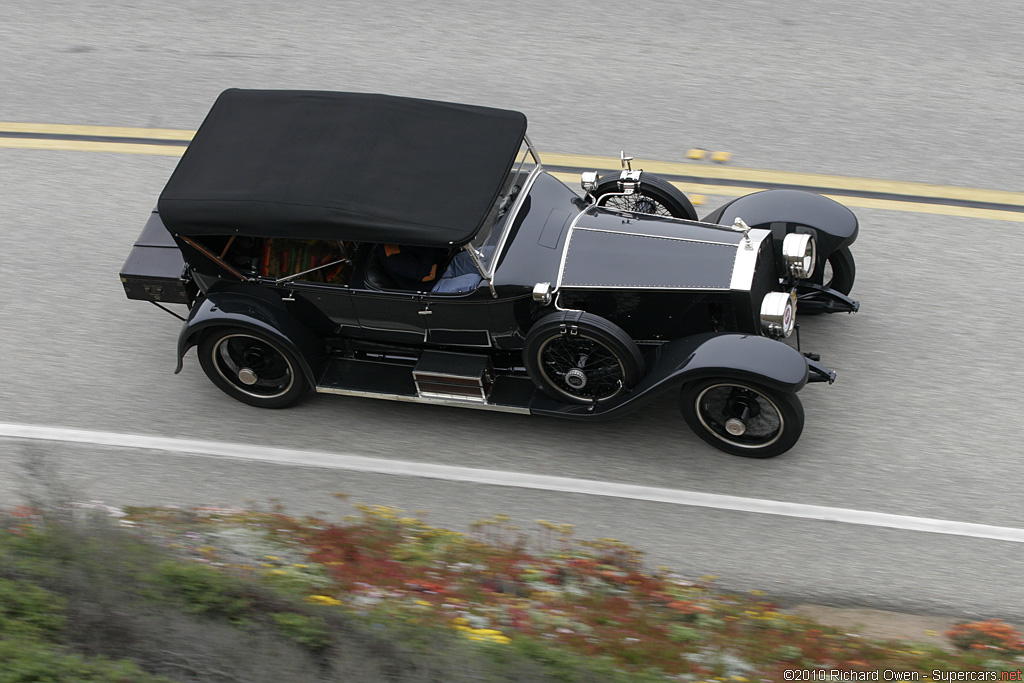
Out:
{"x": 924, "y": 420}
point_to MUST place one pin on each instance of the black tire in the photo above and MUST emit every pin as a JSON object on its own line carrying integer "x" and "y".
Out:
{"x": 654, "y": 195}
{"x": 843, "y": 271}
{"x": 252, "y": 368}
{"x": 581, "y": 358}
{"x": 773, "y": 423}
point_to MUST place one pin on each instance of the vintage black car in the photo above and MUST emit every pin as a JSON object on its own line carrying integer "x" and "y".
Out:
{"x": 290, "y": 224}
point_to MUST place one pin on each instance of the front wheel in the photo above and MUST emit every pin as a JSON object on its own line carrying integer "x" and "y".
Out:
{"x": 839, "y": 271}
{"x": 654, "y": 195}
{"x": 742, "y": 418}
{"x": 250, "y": 367}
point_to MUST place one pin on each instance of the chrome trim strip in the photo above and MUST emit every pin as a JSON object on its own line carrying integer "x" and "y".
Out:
{"x": 533, "y": 150}
{"x": 487, "y": 345}
{"x": 674, "y": 288}
{"x": 565, "y": 250}
{"x": 746, "y": 261}
{"x": 416, "y": 374}
{"x": 454, "y": 397}
{"x": 424, "y": 399}
{"x": 511, "y": 218}
{"x": 584, "y": 228}
{"x": 673, "y": 219}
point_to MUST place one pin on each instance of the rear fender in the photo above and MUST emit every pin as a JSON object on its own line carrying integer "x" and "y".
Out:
{"x": 745, "y": 357}
{"x": 237, "y": 309}
{"x": 784, "y": 211}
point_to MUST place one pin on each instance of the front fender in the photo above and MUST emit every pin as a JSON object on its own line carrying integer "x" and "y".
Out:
{"x": 238, "y": 309}
{"x": 780, "y": 211}
{"x": 720, "y": 355}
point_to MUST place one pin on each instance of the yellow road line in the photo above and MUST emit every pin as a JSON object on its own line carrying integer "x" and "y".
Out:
{"x": 87, "y": 146}
{"x": 787, "y": 178}
{"x": 852, "y": 202}
{"x": 583, "y": 161}
{"x": 96, "y": 131}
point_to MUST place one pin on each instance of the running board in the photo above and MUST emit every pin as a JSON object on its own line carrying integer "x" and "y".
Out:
{"x": 438, "y": 378}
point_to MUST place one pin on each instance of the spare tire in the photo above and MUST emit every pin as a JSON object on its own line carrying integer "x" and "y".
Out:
{"x": 654, "y": 195}
{"x": 579, "y": 357}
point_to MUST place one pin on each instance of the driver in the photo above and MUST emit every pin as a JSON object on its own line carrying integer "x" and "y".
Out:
{"x": 412, "y": 267}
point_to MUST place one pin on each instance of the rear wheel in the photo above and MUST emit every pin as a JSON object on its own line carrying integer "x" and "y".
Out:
{"x": 742, "y": 418}
{"x": 581, "y": 358}
{"x": 252, "y": 368}
{"x": 654, "y": 195}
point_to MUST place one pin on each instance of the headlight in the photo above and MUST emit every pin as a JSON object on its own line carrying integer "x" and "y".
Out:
{"x": 589, "y": 181}
{"x": 778, "y": 314}
{"x": 542, "y": 293}
{"x": 799, "y": 252}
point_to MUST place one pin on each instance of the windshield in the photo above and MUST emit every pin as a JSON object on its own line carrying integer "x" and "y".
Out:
{"x": 487, "y": 240}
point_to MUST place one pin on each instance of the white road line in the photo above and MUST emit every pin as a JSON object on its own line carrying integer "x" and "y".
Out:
{"x": 358, "y": 463}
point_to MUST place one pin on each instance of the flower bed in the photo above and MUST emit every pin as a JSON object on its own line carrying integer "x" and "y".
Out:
{"x": 505, "y": 589}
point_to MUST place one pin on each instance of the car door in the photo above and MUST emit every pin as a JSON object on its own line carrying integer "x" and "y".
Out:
{"x": 458, "y": 319}
{"x": 391, "y": 315}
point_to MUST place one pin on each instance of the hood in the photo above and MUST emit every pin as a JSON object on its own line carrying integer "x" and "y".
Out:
{"x": 617, "y": 250}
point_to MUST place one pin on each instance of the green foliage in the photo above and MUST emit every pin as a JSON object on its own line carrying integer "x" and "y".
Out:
{"x": 203, "y": 589}
{"x": 566, "y": 667}
{"x": 32, "y": 661}
{"x": 684, "y": 634}
{"x": 27, "y": 609}
{"x": 312, "y": 633}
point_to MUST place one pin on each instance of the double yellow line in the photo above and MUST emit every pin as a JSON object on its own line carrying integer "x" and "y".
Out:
{"x": 47, "y": 136}
{"x": 691, "y": 178}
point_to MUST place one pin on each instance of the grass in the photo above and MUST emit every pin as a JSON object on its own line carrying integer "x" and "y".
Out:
{"x": 244, "y": 595}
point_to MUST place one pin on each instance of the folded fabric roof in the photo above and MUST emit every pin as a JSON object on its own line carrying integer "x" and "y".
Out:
{"x": 342, "y": 166}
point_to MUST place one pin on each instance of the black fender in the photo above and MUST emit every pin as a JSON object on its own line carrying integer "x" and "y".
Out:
{"x": 724, "y": 355}
{"x": 259, "y": 314}
{"x": 784, "y": 211}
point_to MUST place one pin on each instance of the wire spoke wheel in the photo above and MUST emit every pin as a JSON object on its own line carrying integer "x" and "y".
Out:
{"x": 743, "y": 418}
{"x": 637, "y": 203}
{"x": 578, "y": 357}
{"x": 581, "y": 367}
{"x": 654, "y": 195}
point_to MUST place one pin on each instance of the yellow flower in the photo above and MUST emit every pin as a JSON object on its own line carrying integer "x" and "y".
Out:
{"x": 424, "y": 603}
{"x": 277, "y": 572}
{"x": 271, "y": 557}
{"x": 323, "y": 600}
{"x": 301, "y": 566}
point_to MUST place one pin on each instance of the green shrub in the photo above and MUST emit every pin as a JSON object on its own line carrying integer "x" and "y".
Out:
{"x": 27, "y": 609}
{"x": 310, "y": 632}
{"x": 204, "y": 590}
{"x": 31, "y": 661}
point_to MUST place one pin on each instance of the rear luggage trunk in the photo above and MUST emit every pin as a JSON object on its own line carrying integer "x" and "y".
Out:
{"x": 155, "y": 269}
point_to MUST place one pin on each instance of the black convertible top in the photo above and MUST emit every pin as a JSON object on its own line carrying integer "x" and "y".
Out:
{"x": 342, "y": 166}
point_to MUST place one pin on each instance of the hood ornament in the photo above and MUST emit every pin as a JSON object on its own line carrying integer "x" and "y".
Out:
{"x": 741, "y": 226}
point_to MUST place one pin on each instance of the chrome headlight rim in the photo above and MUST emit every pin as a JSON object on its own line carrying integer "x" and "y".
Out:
{"x": 778, "y": 314}
{"x": 589, "y": 181}
{"x": 800, "y": 253}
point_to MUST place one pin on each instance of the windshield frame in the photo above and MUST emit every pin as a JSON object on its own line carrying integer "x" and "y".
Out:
{"x": 503, "y": 226}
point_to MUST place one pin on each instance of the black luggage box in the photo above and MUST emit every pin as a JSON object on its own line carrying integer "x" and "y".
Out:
{"x": 155, "y": 267}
